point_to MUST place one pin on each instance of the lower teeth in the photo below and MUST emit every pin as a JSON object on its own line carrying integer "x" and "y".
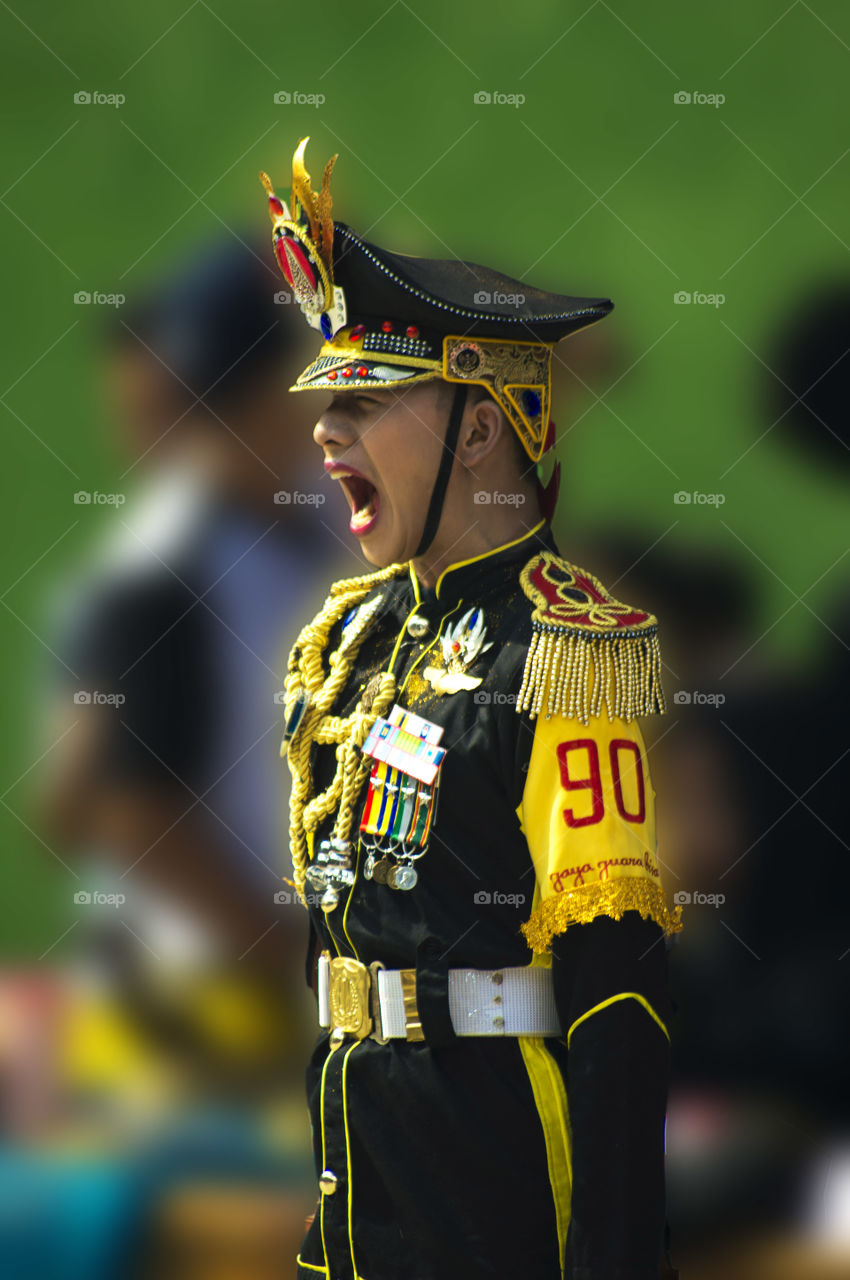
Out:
{"x": 363, "y": 516}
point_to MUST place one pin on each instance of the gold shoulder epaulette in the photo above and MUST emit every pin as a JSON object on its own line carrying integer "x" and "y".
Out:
{"x": 587, "y": 650}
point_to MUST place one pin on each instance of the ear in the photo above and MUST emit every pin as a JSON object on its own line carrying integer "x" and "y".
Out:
{"x": 481, "y": 430}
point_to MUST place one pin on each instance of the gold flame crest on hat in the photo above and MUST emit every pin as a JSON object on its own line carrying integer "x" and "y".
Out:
{"x": 303, "y": 244}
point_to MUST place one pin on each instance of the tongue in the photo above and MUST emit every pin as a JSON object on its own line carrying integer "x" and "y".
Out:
{"x": 364, "y": 495}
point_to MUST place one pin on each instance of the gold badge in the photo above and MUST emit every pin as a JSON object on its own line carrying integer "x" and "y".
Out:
{"x": 462, "y": 645}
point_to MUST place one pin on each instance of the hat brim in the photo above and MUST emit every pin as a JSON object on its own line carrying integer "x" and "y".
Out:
{"x": 335, "y": 372}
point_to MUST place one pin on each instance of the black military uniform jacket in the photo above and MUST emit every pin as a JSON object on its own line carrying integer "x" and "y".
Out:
{"x": 495, "y": 1156}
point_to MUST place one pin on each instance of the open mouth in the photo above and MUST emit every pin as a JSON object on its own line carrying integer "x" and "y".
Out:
{"x": 364, "y": 502}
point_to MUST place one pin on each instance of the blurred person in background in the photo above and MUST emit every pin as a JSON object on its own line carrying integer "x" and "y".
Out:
{"x": 165, "y": 791}
{"x": 754, "y": 767}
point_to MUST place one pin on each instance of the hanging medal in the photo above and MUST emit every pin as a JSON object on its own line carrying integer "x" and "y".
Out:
{"x": 402, "y": 800}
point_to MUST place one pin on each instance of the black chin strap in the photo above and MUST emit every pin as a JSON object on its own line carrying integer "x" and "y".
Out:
{"x": 438, "y": 493}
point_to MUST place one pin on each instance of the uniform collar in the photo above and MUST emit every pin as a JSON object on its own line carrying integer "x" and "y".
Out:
{"x": 475, "y": 576}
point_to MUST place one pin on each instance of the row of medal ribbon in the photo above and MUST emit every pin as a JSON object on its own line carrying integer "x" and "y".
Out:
{"x": 399, "y": 812}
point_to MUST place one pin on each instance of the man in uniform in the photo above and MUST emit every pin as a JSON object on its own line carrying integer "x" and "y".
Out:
{"x": 472, "y": 815}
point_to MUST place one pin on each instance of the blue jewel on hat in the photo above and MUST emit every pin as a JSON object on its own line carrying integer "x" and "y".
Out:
{"x": 326, "y": 326}
{"x": 531, "y": 403}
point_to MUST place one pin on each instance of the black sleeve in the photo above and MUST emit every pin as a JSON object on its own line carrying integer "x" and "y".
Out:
{"x": 617, "y": 1077}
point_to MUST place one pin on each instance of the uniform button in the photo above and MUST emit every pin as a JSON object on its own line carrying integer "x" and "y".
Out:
{"x": 417, "y": 626}
{"x": 498, "y": 978}
{"x": 498, "y": 1022}
{"x": 327, "y": 1182}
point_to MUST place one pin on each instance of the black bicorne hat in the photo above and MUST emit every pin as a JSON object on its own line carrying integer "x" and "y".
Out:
{"x": 389, "y": 319}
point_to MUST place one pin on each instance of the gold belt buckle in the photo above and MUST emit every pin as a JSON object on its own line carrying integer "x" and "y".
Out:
{"x": 348, "y": 997}
{"x": 355, "y": 1006}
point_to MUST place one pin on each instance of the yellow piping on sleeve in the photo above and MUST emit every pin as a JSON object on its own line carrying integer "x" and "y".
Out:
{"x": 622, "y": 995}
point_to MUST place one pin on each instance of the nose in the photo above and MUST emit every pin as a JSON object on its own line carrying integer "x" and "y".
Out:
{"x": 333, "y": 427}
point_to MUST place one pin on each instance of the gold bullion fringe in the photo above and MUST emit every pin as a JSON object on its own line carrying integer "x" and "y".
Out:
{"x": 556, "y": 678}
{"x": 609, "y": 898}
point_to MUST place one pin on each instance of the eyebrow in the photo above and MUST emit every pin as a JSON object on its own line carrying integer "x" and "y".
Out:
{"x": 343, "y": 397}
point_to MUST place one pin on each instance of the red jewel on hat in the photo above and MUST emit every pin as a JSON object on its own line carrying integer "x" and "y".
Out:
{"x": 387, "y": 326}
{"x": 362, "y": 371}
{"x": 347, "y": 372}
{"x": 283, "y": 261}
{"x": 276, "y": 206}
{"x": 412, "y": 331}
{"x": 289, "y": 251}
{"x": 332, "y": 375}
{"x": 357, "y": 332}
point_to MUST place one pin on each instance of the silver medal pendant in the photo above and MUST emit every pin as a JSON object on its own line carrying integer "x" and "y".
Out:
{"x": 406, "y": 877}
{"x": 403, "y": 876}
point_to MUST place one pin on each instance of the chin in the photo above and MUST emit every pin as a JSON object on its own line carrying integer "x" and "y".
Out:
{"x": 380, "y": 553}
{"x": 373, "y": 558}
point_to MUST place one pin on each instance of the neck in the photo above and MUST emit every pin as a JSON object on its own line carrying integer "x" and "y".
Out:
{"x": 463, "y": 540}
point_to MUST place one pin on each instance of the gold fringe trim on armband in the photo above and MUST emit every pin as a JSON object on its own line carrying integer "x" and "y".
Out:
{"x": 608, "y": 898}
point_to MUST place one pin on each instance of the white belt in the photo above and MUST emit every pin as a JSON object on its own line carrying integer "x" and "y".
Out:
{"x": 482, "y": 1002}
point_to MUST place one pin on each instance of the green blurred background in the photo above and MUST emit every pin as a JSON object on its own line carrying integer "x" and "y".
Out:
{"x": 598, "y": 183}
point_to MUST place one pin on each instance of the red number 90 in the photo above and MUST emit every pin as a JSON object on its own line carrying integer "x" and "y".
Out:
{"x": 592, "y": 783}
